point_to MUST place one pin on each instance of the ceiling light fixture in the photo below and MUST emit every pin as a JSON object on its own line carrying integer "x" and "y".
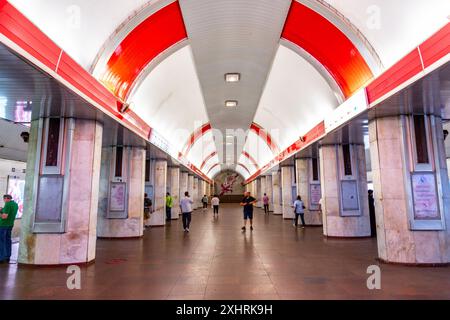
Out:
{"x": 232, "y": 77}
{"x": 231, "y": 103}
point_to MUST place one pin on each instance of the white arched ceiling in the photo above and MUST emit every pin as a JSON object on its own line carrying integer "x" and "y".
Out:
{"x": 202, "y": 148}
{"x": 395, "y": 27}
{"x": 242, "y": 172}
{"x": 79, "y": 27}
{"x": 295, "y": 99}
{"x": 258, "y": 149}
{"x": 170, "y": 100}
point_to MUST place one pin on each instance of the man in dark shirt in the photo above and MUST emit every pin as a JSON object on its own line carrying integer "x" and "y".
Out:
{"x": 248, "y": 203}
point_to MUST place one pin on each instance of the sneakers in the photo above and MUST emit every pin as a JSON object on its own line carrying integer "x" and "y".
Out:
{"x": 294, "y": 225}
{"x": 187, "y": 229}
{"x": 243, "y": 228}
{"x": 251, "y": 228}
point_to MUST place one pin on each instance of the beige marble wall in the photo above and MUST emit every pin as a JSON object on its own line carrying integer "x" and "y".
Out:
{"x": 334, "y": 224}
{"x": 77, "y": 243}
{"x": 175, "y": 191}
{"x": 312, "y": 217}
{"x": 183, "y": 184}
{"x": 263, "y": 190}
{"x": 276, "y": 188}
{"x": 191, "y": 186}
{"x": 194, "y": 195}
{"x": 396, "y": 241}
{"x": 134, "y": 177}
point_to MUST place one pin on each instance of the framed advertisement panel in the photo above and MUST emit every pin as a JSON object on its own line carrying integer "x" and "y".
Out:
{"x": 425, "y": 196}
{"x": 117, "y": 200}
{"x": 315, "y": 194}
{"x": 349, "y": 198}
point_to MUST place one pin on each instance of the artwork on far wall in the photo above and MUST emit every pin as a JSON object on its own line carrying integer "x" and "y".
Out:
{"x": 229, "y": 183}
{"x": 16, "y": 188}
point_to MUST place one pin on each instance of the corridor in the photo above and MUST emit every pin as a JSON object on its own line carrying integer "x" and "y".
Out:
{"x": 216, "y": 260}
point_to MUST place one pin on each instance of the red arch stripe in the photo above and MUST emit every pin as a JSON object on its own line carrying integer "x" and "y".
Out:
{"x": 326, "y": 43}
{"x": 153, "y": 36}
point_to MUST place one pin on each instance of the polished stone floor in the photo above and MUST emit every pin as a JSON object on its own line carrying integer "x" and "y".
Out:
{"x": 218, "y": 261}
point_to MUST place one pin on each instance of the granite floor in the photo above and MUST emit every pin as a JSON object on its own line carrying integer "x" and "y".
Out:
{"x": 218, "y": 261}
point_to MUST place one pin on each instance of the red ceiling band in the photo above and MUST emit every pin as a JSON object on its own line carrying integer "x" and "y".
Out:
{"x": 209, "y": 157}
{"x": 252, "y": 160}
{"x": 267, "y": 138}
{"x": 153, "y": 36}
{"x": 326, "y": 43}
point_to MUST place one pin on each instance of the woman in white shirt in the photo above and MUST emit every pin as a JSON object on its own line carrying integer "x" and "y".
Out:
{"x": 215, "y": 204}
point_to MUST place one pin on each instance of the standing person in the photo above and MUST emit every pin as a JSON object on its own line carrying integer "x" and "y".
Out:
{"x": 299, "y": 210}
{"x": 266, "y": 203}
{"x": 7, "y": 218}
{"x": 248, "y": 203}
{"x": 147, "y": 209}
{"x": 169, "y": 204}
{"x": 215, "y": 204}
{"x": 205, "y": 202}
{"x": 186, "y": 209}
{"x": 373, "y": 220}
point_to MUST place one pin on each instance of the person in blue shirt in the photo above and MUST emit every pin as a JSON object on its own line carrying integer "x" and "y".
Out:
{"x": 299, "y": 210}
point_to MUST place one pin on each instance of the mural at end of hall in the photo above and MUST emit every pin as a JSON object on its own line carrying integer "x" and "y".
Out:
{"x": 229, "y": 183}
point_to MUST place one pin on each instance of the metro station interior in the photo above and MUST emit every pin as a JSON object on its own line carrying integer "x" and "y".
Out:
{"x": 103, "y": 102}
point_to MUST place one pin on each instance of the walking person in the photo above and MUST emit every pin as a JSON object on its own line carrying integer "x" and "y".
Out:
{"x": 215, "y": 204}
{"x": 299, "y": 210}
{"x": 169, "y": 204}
{"x": 147, "y": 210}
{"x": 7, "y": 219}
{"x": 186, "y": 210}
{"x": 205, "y": 202}
{"x": 248, "y": 203}
{"x": 266, "y": 203}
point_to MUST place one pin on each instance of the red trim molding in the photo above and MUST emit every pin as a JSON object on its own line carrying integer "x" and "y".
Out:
{"x": 209, "y": 157}
{"x": 195, "y": 136}
{"x": 243, "y": 166}
{"x": 265, "y": 136}
{"x": 252, "y": 160}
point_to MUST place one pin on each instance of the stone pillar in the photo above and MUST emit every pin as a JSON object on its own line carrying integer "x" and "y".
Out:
{"x": 201, "y": 192}
{"x": 263, "y": 190}
{"x": 183, "y": 186}
{"x": 287, "y": 178}
{"x": 411, "y": 198}
{"x": 194, "y": 195}
{"x": 191, "y": 186}
{"x": 276, "y": 193}
{"x": 175, "y": 191}
{"x": 257, "y": 192}
{"x": 345, "y": 211}
{"x": 158, "y": 217}
{"x": 309, "y": 189}
{"x": 121, "y": 218}
{"x": 59, "y": 221}
{"x": 269, "y": 191}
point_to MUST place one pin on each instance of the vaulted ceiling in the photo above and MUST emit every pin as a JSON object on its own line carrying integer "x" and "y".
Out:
{"x": 297, "y": 59}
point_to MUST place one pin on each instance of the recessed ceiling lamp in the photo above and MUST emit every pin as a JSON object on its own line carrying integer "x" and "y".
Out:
{"x": 231, "y": 103}
{"x": 232, "y": 77}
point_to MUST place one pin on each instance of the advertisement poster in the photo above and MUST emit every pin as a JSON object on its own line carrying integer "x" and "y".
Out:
{"x": 16, "y": 188}
{"x": 315, "y": 196}
{"x": 425, "y": 196}
{"x": 117, "y": 196}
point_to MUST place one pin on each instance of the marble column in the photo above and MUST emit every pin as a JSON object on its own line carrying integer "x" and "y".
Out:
{"x": 191, "y": 187}
{"x": 287, "y": 178}
{"x": 128, "y": 222}
{"x": 307, "y": 186}
{"x": 183, "y": 185}
{"x": 195, "y": 194}
{"x": 201, "y": 191}
{"x": 263, "y": 190}
{"x": 158, "y": 217}
{"x": 345, "y": 211}
{"x": 257, "y": 193}
{"x": 175, "y": 191}
{"x": 276, "y": 193}
{"x": 71, "y": 239}
{"x": 403, "y": 235}
{"x": 269, "y": 191}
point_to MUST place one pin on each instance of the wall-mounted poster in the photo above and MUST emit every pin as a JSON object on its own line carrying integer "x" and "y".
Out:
{"x": 117, "y": 197}
{"x": 229, "y": 183}
{"x": 425, "y": 196}
{"x": 349, "y": 194}
{"x": 315, "y": 196}
{"x": 16, "y": 188}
